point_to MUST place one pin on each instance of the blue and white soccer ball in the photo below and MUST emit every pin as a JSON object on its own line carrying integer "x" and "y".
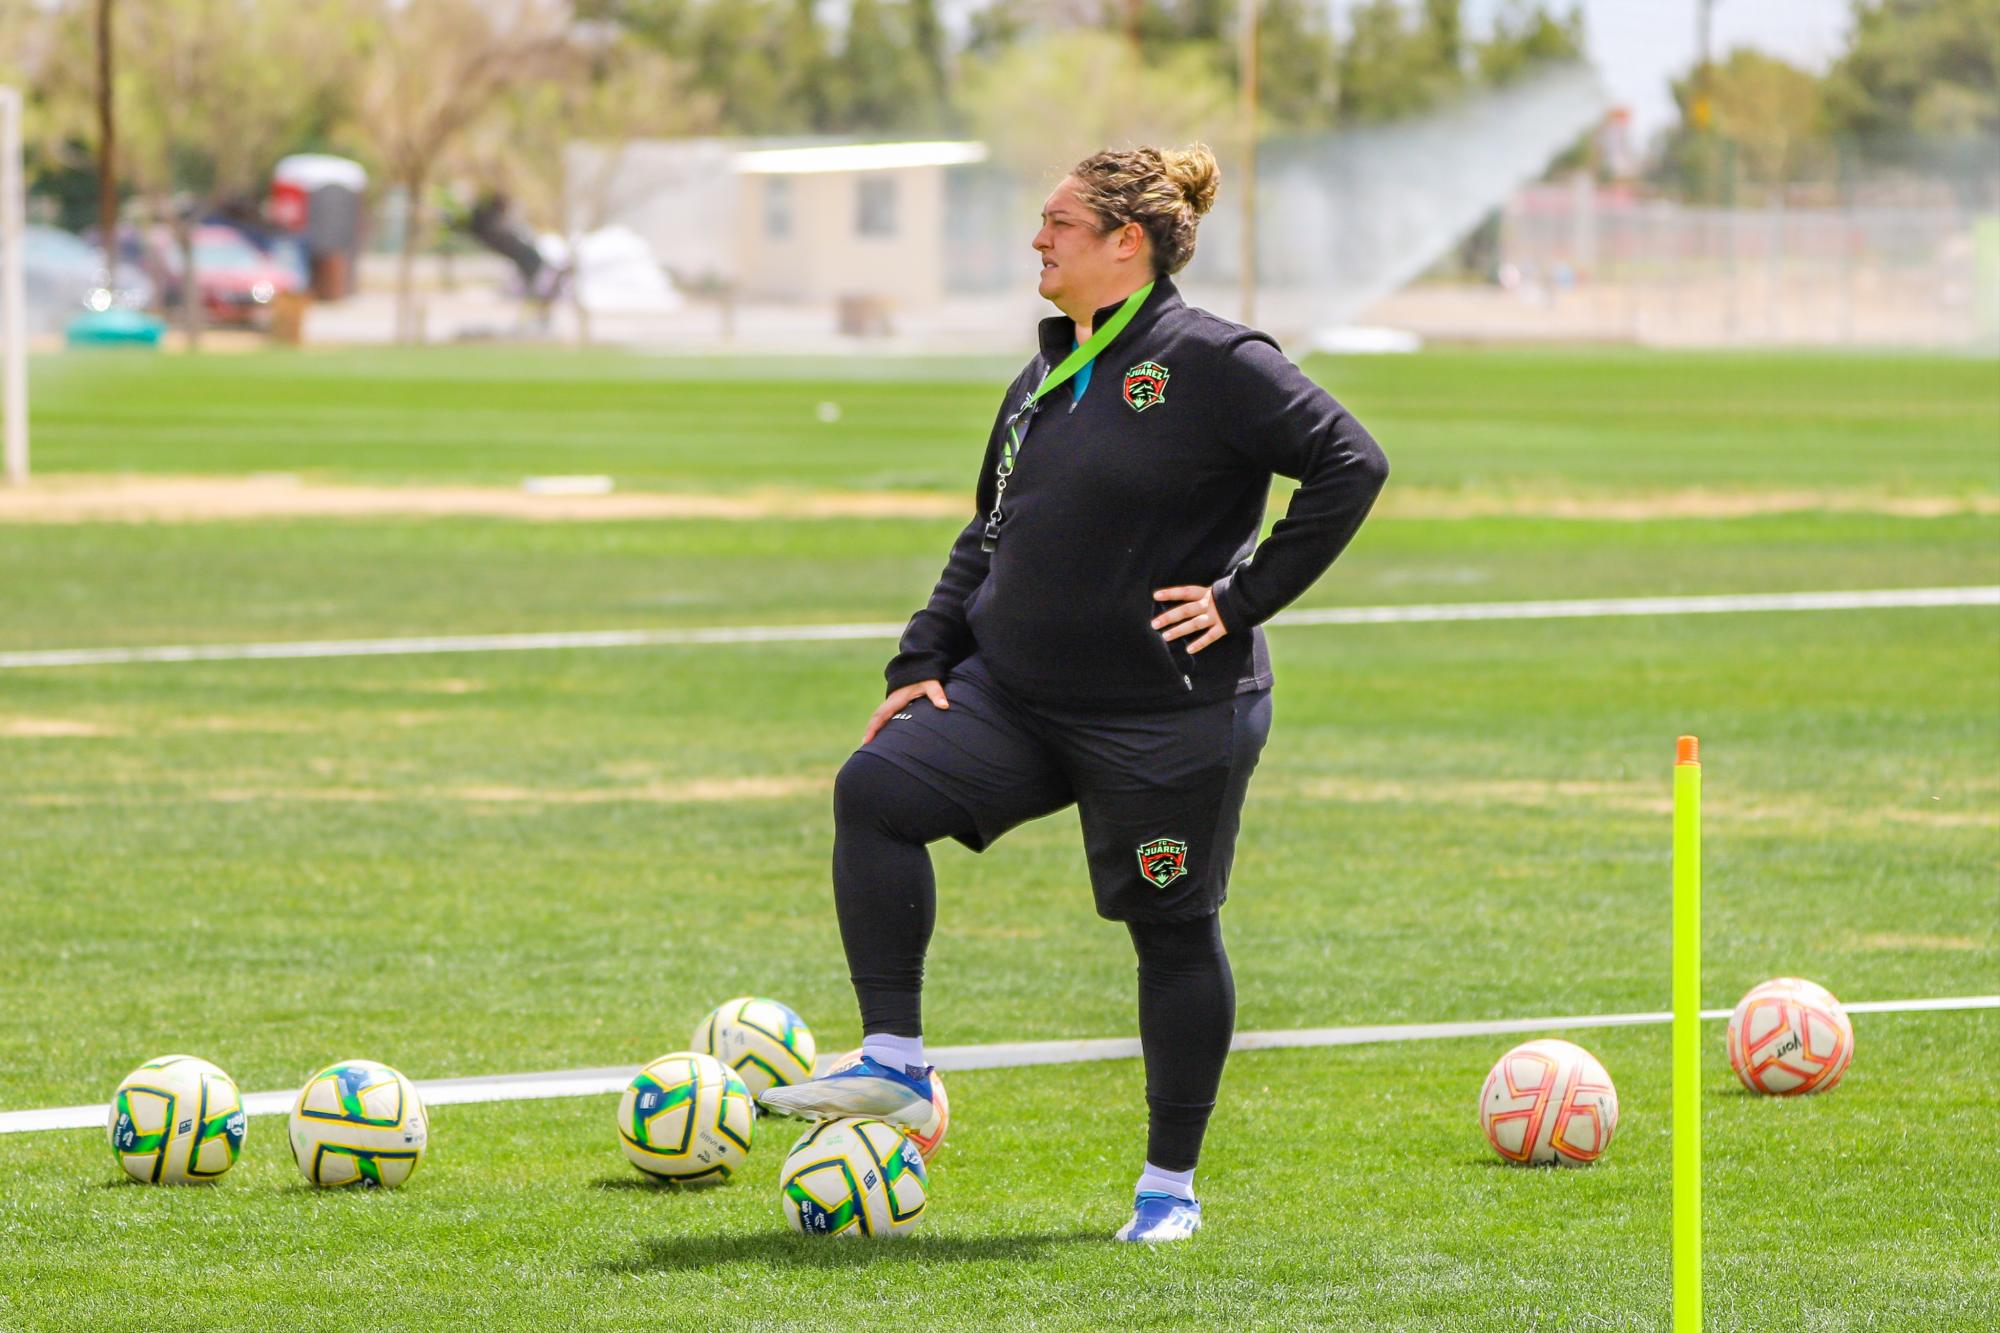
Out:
{"x": 766, "y": 1043}
{"x": 358, "y": 1122}
{"x": 854, "y": 1177}
{"x": 687, "y": 1119}
{"x": 176, "y": 1120}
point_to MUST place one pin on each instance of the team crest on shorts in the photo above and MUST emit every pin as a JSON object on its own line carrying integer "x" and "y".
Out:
{"x": 1145, "y": 385}
{"x": 1162, "y": 861}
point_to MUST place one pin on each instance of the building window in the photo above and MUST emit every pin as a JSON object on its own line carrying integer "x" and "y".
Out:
{"x": 875, "y": 211}
{"x": 777, "y": 205}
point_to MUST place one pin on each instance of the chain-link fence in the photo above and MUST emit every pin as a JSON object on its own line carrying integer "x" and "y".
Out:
{"x": 1872, "y": 249}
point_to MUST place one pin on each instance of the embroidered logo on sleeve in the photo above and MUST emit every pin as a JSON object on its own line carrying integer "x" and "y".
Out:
{"x": 1145, "y": 385}
{"x": 1162, "y": 861}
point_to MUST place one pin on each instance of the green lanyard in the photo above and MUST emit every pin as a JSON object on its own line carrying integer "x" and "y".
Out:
{"x": 1055, "y": 379}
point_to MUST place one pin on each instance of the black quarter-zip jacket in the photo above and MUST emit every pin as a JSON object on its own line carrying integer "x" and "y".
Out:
{"x": 1156, "y": 477}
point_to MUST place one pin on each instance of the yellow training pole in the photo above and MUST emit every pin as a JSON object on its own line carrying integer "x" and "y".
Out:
{"x": 1687, "y": 1036}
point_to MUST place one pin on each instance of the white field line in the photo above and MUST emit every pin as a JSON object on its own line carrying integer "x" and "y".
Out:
{"x": 1009, "y": 1055}
{"x": 1884, "y": 599}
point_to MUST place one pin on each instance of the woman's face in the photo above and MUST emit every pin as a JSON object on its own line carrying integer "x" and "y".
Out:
{"x": 1078, "y": 261}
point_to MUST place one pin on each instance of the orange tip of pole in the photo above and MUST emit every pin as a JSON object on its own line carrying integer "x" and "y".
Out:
{"x": 1688, "y": 750}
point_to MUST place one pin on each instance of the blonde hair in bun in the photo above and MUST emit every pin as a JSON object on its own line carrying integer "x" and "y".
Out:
{"x": 1166, "y": 191}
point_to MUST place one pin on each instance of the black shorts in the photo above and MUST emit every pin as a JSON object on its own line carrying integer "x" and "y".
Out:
{"x": 1160, "y": 793}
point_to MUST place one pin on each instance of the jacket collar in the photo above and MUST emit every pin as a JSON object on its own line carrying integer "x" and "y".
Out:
{"x": 1058, "y": 332}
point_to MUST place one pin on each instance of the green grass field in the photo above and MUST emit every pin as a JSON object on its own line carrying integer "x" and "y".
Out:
{"x": 496, "y": 863}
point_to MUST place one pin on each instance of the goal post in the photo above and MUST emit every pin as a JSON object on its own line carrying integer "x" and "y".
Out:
{"x": 13, "y": 298}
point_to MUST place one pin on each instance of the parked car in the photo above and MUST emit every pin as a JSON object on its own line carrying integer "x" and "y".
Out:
{"x": 63, "y": 276}
{"x": 236, "y": 282}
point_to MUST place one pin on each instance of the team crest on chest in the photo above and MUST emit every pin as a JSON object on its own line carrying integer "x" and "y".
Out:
{"x": 1145, "y": 385}
{"x": 1162, "y": 861}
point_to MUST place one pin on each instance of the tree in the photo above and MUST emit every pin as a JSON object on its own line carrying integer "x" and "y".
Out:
{"x": 767, "y": 65}
{"x": 1298, "y": 67}
{"x": 1389, "y": 66}
{"x": 1026, "y": 103}
{"x": 555, "y": 147}
{"x": 933, "y": 46}
{"x": 886, "y": 83}
{"x": 1765, "y": 113}
{"x": 209, "y": 94}
{"x": 48, "y": 52}
{"x": 1916, "y": 70}
{"x": 1525, "y": 36}
{"x": 432, "y": 69}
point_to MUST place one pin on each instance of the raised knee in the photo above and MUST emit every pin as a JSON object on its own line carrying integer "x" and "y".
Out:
{"x": 863, "y": 789}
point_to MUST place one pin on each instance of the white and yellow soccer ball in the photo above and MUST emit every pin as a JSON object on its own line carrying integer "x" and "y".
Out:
{"x": 928, "y": 1136}
{"x": 1789, "y": 1036}
{"x": 1548, "y": 1101}
{"x": 854, "y": 1177}
{"x": 358, "y": 1122}
{"x": 686, "y": 1118}
{"x": 175, "y": 1120}
{"x": 766, "y": 1043}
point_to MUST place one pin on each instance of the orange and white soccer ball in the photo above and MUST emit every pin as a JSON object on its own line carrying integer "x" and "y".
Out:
{"x": 1788, "y": 1037}
{"x": 1549, "y": 1101}
{"x": 929, "y": 1135}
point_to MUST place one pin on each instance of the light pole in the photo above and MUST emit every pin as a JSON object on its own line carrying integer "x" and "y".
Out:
{"x": 13, "y": 316}
{"x": 1247, "y": 78}
{"x": 107, "y": 143}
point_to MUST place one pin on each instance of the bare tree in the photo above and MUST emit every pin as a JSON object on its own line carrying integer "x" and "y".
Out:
{"x": 559, "y": 147}
{"x": 433, "y": 69}
{"x": 209, "y": 94}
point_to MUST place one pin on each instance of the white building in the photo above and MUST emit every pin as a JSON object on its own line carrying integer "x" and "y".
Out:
{"x": 812, "y": 222}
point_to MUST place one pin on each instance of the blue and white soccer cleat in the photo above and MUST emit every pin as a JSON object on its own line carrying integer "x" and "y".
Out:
{"x": 865, "y": 1088}
{"x": 1158, "y": 1217}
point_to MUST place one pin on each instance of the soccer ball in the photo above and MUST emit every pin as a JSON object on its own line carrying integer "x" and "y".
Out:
{"x": 767, "y": 1044}
{"x": 1788, "y": 1037}
{"x": 929, "y": 1135}
{"x": 1549, "y": 1101}
{"x": 358, "y": 1123}
{"x": 176, "y": 1119}
{"x": 854, "y": 1177}
{"x": 685, "y": 1118}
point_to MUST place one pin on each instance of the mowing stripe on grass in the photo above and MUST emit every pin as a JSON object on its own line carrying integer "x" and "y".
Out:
{"x": 1006, "y": 1055}
{"x": 1882, "y": 599}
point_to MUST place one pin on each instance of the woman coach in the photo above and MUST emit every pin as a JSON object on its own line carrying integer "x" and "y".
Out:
{"x": 1094, "y": 640}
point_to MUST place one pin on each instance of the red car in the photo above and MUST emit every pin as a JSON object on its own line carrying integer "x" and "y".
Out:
{"x": 236, "y": 281}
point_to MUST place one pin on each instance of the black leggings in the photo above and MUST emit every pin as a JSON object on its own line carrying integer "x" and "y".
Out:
{"x": 886, "y": 897}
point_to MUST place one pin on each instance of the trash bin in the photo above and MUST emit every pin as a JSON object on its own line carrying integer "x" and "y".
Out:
{"x": 318, "y": 197}
{"x": 288, "y": 317}
{"x": 862, "y": 315}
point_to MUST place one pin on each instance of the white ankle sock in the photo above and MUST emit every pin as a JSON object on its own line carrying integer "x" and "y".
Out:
{"x": 1180, "y": 1184}
{"x": 895, "y": 1052}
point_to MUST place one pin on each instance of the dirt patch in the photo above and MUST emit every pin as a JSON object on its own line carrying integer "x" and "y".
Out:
{"x": 1637, "y": 798}
{"x": 698, "y": 790}
{"x": 204, "y": 499}
{"x": 1419, "y": 502}
{"x": 694, "y": 791}
{"x": 259, "y": 726}
{"x": 450, "y": 685}
{"x": 1937, "y": 943}
{"x": 37, "y": 728}
{"x": 165, "y": 499}
{"x": 1627, "y": 796}
{"x": 245, "y": 795}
